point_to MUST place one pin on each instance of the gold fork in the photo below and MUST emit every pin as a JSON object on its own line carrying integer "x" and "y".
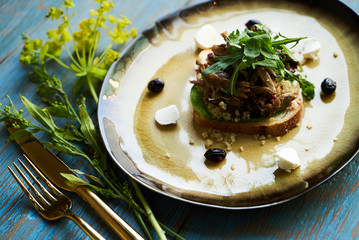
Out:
{"x": 53, "y": 205}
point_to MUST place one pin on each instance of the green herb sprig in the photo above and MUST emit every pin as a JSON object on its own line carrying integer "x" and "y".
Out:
{"x": 258, "y": 48}
{"x": 70, "y": 128}
{"x": 89, "y": 68}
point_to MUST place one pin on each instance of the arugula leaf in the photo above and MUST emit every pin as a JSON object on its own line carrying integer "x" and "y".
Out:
{"x": 252, "y": 49}
{"x": 286, "y": 41}
{"x": 267, "y": 63}
{"x": 232, "y": 81}
{"x": 307, "y": 88}
{"x": 222, "y": 63}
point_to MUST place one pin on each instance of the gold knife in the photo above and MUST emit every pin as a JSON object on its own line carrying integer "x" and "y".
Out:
{"x": 52, "y": 166}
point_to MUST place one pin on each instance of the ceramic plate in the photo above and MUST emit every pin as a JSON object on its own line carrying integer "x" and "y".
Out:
{"x": 169, "y": 159}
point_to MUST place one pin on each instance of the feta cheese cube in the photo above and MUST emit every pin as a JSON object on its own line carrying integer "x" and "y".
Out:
{"x": 167, "y": 115}
{"x": 207, "y": 36}
{"x": 310, "y": 49}
{"x": 287, "y": 159}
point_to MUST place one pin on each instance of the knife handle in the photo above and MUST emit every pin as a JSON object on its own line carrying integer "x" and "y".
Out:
{"x": 113, "y": 220}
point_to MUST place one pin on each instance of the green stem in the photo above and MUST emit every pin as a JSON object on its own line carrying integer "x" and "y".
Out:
{"x": 104, "y": 53}
{"x": 83, "y": 59}
{"x": 72, "y": 58}
{"x": 150, "y": 215}
{"x": 97, "y": 35}
{"x": 142, "y": 223}
{"x": 123, "y": 197}
{"x": 56, "y": 59}
{"x": 72, "y": 34}
{"x": 233, "y": 80}
{"x": 286, "y": 41}
{"x": 92, "y": 89}
{"x": 137, "y": 210}
{"x": 72, "y": 109}
{"x": 93, "y": 49}
{"x": 171, "y": 231}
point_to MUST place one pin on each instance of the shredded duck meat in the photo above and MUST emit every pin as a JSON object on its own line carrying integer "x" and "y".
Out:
{"x": 258, "y": 94}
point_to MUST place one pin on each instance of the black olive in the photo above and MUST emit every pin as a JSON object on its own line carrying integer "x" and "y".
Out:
{"x": 328, "y": 86}
{"x": 215, "y": 154}
{"x": 156, "y": 85}
{"x": 252, "y": 22}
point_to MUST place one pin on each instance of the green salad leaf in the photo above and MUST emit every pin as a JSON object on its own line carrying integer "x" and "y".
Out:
{"x": 197, "y": 102}
{"x": 196, "y": 97}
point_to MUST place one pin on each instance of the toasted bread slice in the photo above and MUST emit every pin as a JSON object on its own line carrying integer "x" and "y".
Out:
{"x": 275, "y": 125}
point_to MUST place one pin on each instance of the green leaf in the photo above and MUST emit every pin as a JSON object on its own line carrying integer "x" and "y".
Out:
{"x": 94, "y": 180}
{"x": 234, "y": 38}
{"x": 40, "y": 115}
{"x": 75, "y": 68}
{"x": 234, "y": 77}
{"x": 286, "y": 41}
{"x": 197, "y": 102}
{"x": 60, "y": 111}
{"x": 44, "y": 91}
{"x": 267, "y": 63}
{"x": 88, "y": 128}
{"x": 91, "y": 178}
{"x": 70, "y": 135}
{"x": 81, "y": 74}
{"x": 98, "y": 73}
{"x": 21, "y": 134}
{"x": 78, "y": 171}
{"x": 307, "y": 88}
{"x": 281, "y": 68}
{"x": 73, "y": 179}
{"x": 73, "y": 151}
{"x": 269, "y": 55}
{"x": 286, "y": 50}
{"x": 223, "y": 63}
{"x": 253, "y": 48}
{"x": 41, "y": 73}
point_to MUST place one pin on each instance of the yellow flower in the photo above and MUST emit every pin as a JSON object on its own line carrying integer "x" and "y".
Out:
{"x": 93, "y": 13}
{"x": 133, "y": 32}
{"x": 68, "y": 3}
{"x": 65, "y": 36}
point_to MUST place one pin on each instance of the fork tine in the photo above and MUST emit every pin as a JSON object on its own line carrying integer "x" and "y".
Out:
{"x": 44, "y": 190}
{"x": 34, "y": 202}
{"x": 43, "y": 200}
{"x": 48, "y": 183}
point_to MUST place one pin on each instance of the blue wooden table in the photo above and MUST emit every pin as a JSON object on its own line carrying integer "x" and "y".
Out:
{"x": 330, "y": 211}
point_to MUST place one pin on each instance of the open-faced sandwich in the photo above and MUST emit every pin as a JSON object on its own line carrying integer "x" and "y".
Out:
{"x": 250, "y": 84}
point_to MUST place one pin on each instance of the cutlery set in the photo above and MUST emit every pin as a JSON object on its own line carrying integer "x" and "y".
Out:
{"x": 56, "y": 205}
{"x": 51, "y": 206}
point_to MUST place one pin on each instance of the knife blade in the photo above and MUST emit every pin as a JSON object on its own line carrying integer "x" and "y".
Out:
{"x": 51, "y": 166}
